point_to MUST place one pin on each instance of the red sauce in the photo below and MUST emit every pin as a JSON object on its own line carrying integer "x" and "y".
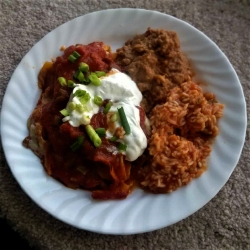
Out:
{"x": 101, "y": 169}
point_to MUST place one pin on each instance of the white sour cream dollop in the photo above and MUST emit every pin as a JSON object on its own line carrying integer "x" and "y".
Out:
{"x": 123, "y": 92}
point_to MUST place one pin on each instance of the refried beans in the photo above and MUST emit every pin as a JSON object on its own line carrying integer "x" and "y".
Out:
{"x": 155, "y": 62}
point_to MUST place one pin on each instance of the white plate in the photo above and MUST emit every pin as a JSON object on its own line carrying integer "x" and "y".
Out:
{"x": 140, "y": 212}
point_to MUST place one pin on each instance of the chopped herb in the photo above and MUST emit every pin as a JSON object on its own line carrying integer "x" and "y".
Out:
{"x": 71, "y": 106}
{"x": 66, "y": 118}
{"x": 83, "y": 67}
{"x": 101, "y": 132}
{"x": 64, "y": 112}
{"x": 77, "y": 144}
{"x": 80, "y": 108}
{"x": 98, "y": 100}
{"x": 81, "y": 77}
{"x": 86, "y": 81}
{"x": 62, "y": 81}
{"x": 124, "y": 120}
{"x": 71, "y": 84}
{"x": 74, "y": 56}
{"x": 85, "y": 120}
{"x": 76, "y": 74}
{"x": 94, "y": 79}
{"x": 100, "y": 73}
{"x": 114, "y": 138}
{"x": 82, "y": 95}
{"x": 122, "y": 147}
{"x": 72, "y": 59}
{"x": 107, "y": 107}
{"x": 94, "y": 137}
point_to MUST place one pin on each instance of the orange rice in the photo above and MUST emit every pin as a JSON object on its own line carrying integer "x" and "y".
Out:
{"x": 182, "y": 133}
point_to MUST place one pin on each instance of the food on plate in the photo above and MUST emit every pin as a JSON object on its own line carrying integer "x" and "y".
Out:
{"x": 88, "y": 125}
{"x": 183, "y": 119}
{"x": 154, "y": 60}
{"x": 107, "y": 121}
{"x": 182, "y": 132}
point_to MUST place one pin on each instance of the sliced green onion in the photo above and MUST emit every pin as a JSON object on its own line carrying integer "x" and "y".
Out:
{"x": 94, "y": 137}
{"x": 71, "y": 106}
{"x": 76, "y": 74}
{"x": 83, "y": 67}
{"x": 80, "y": 92}
{"x": 86, "y": 81}
{"x": 113, "y": 138}
{"x": 82, "y": 95}
{"x": 80, "y": 108}
{"x": 113, "y": 118}
{"x": 76, "y": 54}
{"x": 85, "y": 120}
{"x": 98, "y": 100}
{"x": 107, "y": 107}
{"x": 66, "y": 118}
{"x": 100, "y": 73}
{"x": 62, "y": 81}
{"x": 101, "y": 132}
{"x": 122, "y": 147}
{"x": 94, "y": 79}
{"x": 77, "y": 144}
{"x": 124, "y": 120}
{"x": 64, "y": 112}
{"x": 71, "y": 84}
{"x": 84, "y": 99}
{"x": 81, "y": 77}
{"x": 72, "y": 59}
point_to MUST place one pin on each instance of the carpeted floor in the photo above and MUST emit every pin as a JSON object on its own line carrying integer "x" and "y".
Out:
{"x": 224, "y": 223}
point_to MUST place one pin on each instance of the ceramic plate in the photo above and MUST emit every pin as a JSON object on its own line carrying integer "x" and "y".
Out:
{"x": 140, "y": 212}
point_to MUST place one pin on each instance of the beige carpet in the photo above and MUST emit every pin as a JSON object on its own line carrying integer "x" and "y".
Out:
{"x": 224, "y": 223}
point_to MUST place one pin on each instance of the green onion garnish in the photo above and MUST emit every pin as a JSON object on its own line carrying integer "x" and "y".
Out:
{"x": 71, "y": 106}
{"x": 77, "y": 144}
{"x": 81, "y": 77}
{"x": 101, "y": 132}
{"x": 74, "y": 56}
{"x": 86, "y": 81}
{"x": 66, "y": 118}
{"x": 80, "y": 108}
{"x": 94, "y": 137}
{"x": 71, "y": 84}
{"x": 82, "y": 95}
{"x": 76, "y": 74}
{"x": 64, "y": 112}
{"x": 62, "y": 81}
{"x": 98, "y": 100}
{"x": 83, "y": 67}
{"x": 94, "y": 79}
{"x": 100, "y": 73}
{"x": 107, "y": 107}
{"x": 122, "y": 147}
{"x": 85, "y": 120}
{"x": 113, "y": 138}
{"x": 124, "y": 120}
